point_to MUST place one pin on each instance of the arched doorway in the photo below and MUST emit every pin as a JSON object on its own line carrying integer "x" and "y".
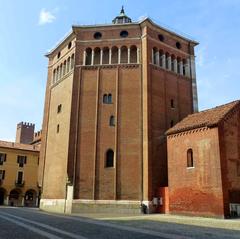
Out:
{"x": 30, "y": 198}
{"x": 2, "y": 195}
{"x": 15, "y": 198}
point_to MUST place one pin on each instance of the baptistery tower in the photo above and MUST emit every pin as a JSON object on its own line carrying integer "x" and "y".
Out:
{"x": 112, "y": 92}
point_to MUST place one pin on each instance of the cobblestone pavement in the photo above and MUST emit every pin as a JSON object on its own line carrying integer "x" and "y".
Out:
{"x": 26, "y": 223}
{"x": 193, "y": 227}
{"x": 32, "y": 223}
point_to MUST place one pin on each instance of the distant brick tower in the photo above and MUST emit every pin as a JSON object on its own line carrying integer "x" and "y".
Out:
{"x": 112, "y": 92}
{"x": 25, "y": 133}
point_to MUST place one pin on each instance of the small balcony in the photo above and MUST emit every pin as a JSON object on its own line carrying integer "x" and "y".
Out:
{"x": 19, "y": 183}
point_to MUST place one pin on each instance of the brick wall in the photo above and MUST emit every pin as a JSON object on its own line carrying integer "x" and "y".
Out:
{"x": 25, "y": 133}
{"x": 197, "y": 190}
{"x": 141, "y": 103}
{"x": 229, "y": 132}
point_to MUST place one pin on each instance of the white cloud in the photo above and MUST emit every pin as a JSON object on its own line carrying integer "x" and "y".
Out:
{"x": 46, "y": 17}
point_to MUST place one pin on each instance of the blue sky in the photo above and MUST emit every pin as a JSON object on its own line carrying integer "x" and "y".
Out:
{"x": 28, "y": 29}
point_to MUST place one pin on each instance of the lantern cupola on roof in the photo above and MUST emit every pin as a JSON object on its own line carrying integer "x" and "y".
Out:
{"x": 122, "y": 18}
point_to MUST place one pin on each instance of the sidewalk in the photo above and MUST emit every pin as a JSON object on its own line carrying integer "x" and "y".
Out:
{"x": 183, "y": 226}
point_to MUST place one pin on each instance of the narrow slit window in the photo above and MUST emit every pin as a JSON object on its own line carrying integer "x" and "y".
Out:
{"x": 58, "y": 128}
{"x": 190, "y": 158}
{"x": 112, "y": 120}
{"x": 109, "y": 158}
{"x": 59, "y": 108}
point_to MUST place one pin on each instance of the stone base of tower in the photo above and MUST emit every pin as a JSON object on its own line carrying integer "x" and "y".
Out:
{"x": 106, "y": 206}
{"x": 93, "y": 206}
{"x": 97, "y": 206}
{"x": 56, "y": 205}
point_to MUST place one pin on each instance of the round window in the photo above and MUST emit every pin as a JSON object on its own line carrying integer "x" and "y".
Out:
{"x": 59, "y": 54}
{"x": 97, "y": 35}
{"x": 178, "y": 45}
{"x": 69, "y": 45}
{"x": 123, "y": 34}
{"x": 161, "y": 37}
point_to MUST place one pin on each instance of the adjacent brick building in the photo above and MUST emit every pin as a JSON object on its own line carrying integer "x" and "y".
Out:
{"x": 112, "y": 92}
{"x": 204, "y": 163}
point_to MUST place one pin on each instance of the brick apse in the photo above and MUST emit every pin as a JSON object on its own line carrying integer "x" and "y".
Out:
{"x": 204, "y": 163}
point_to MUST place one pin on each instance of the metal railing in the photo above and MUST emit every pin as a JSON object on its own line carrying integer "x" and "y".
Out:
{"x": 19, "y": 183}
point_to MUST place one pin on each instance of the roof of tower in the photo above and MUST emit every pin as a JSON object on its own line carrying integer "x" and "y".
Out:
{"x": 207, "y": 118}
{"x": 119, "y": 24}
{"x": 122, "y": 18}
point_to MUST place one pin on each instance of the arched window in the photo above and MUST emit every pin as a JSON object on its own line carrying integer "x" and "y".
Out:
{"x": 112, "y": 120}
{"x": 155, "y": 55}
{"x": 54, "y": 77}
{"x": 105, "y": 59}
{"x": 167, "y": 61}
{"x": 72, "y": 61}
{"x": 97, "y": 56}
{"x": 184, "y": 67}
{"x": 57, "y": 74}
{"x": 88, "y": 56}
{"x": 124, "y": 54}
{"x": 105, "y": 98}
{"x": 178, "y": 65}
{"x": 133, "y": 54}
{"x": 60, "y": 71}
{"x": 161, "y": 53}
{"x": 172, "y": 62}
{"x": 109, "y": 158}
{"x": 109, "y": 98}
{"x": 114, "y": 55}
{"x": 189, "y": 158}
{"x": 68, "y": 64}
{"x": 64, "y": 67}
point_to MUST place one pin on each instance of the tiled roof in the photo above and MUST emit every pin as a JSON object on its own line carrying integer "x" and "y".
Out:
{"x": 12, "y": 145}
{"x": 206, "y": 118}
